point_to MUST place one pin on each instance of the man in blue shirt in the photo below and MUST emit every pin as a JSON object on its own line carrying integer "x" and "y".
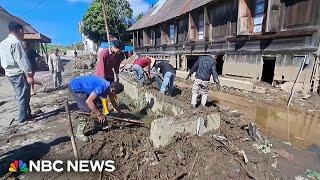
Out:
{"x": 87, "y": 90}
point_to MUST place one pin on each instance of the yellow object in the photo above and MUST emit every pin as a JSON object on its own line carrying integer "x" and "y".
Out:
{"x": 105, "y": 106}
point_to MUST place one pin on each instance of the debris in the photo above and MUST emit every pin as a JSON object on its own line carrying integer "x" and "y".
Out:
{"x": 299, "y": 138}
{"x": 243, "y": 154}
{"x": 221, "y": 139}
{"x": 200, "y": 125}
{"x": 274, "y": 165}
{"x": 264, "y": 148}
{"x": 287, "y": 143}
{"x": 193, "y": 164}
{"x": 180, "y": 176}
{"x": 285, "y": 154}
{"x": 180, "y": 155}
{"x": 313, "y": 174}
{"x": 300, "y": 178}
{"x": 254, "y": 132}
{"x": 11, "y": 121}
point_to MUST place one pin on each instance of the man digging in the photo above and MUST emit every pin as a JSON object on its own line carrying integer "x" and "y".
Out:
{"x": 87, "y": 91}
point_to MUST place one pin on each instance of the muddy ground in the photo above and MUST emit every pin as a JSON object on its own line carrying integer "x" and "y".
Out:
{"x": 214, "y": 155}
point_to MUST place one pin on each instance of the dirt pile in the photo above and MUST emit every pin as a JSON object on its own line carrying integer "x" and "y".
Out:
{"x": 85, "y": 62}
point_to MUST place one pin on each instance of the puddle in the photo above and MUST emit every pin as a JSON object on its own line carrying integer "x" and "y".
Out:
{"x": 298, "y": 127}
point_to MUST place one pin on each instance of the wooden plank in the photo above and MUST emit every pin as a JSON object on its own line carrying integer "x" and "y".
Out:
{"x": 244, "y": 18}
{"x": 273, "y": 13}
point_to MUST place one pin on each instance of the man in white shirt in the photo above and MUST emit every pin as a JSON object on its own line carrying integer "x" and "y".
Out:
{"x": 17, "y": 68}
{"x": 56, "y": 67}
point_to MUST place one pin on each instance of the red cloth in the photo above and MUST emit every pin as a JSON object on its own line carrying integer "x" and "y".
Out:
{"x": 143, "y": 62}
{"x": 107, "y": 63}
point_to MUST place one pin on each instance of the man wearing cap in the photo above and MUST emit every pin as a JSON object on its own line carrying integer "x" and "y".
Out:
{"x": 18, "y": 68}
{"x": 138, "y": 66}
{"x": 87, "y": 91}
{"x": 109, "y": 62}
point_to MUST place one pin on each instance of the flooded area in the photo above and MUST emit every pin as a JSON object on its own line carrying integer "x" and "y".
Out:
{"x": 299, "y": 128}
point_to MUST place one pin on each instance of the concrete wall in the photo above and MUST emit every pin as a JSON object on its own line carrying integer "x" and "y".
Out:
{"x": 70, "y": 53}
{"x": 171, "y": 114}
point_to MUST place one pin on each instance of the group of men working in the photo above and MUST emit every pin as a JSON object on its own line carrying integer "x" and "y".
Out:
{"x": 165, "y": 74}
{"x": 18, "y": 60}
{"x": 89, "y": 90}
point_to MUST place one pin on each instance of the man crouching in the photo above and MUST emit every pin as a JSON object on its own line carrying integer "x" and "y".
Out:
{"x": 87, "y": 91}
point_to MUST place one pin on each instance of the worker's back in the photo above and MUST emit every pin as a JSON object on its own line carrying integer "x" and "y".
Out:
{"x": 205, "y": 68}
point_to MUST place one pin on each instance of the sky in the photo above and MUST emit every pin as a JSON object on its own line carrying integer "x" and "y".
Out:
{"x": 58, "y": 19}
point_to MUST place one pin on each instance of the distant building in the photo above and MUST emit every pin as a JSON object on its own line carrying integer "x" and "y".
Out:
{"x": 37, "y": 40}
{"x": 88, "y": 45}
{"x": 256, "y": 40}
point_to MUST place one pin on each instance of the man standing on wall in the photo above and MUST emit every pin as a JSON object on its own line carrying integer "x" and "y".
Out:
{"x": 204, "y": 68}
{"x": 18, "y": 68}
{"x": 108, "y": 66}
{"x": 56, "y": 67}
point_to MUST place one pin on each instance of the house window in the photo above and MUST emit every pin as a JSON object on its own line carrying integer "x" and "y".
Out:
{"x": 258, "y": 16}
{"x": 172, "y": 33}
{"x": 201, "y": 26}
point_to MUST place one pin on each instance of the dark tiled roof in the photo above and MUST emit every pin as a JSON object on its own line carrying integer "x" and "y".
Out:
{"x": 169, "y": 10}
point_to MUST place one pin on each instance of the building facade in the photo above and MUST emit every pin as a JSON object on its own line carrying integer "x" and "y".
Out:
{"x": 256, "y": 41}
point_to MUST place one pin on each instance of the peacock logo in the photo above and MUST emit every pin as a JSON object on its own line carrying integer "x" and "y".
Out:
{"x": 18, "y": 166}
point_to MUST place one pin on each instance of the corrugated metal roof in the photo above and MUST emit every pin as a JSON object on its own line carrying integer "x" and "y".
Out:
{"x": 169, "y": 10}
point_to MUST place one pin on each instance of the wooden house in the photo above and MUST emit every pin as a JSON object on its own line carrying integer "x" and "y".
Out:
{"x": 256, "y": 41}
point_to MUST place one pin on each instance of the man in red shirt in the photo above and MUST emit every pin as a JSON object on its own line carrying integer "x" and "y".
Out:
{"x": 109, "y": 61}
{"x": 138, "y": 66}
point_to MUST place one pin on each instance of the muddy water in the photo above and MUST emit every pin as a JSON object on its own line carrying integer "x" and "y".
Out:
{"x": 300, "y": 128}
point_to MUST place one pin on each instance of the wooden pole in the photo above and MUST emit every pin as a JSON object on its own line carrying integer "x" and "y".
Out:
{"x": 115, "y": 118}
{"x": 297, "y": 79}
{"x": 104, "y": 12}
{"x": 73, "y": 142}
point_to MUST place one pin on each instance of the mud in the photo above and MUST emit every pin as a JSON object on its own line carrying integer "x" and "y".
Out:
{"x": 217, "y": 154}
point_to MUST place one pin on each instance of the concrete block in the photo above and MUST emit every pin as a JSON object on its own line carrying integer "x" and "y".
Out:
{"x": 288, "y": 86}
{"x": 260, "y": 90}
{"x": 130, "y": 88}
{"x": 238, "y": 84}
{"x": 164, "y": 129}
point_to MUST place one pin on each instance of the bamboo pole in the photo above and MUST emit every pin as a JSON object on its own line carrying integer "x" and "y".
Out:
{"x": 296, "y": 80}
{"x": 115, "y": 118}
{"x": 73, "y": 142}
{"x": 104, "y": 12}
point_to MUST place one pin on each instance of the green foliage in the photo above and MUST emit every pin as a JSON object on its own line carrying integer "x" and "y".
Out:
{"x": 139, "y": 17}
{"x": 64, "y": 49}
{"x": 119, "y": 15}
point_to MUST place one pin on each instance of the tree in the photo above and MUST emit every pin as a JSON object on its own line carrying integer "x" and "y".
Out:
{"x": 119, "y": 15}
{"x": 139, "y": 17}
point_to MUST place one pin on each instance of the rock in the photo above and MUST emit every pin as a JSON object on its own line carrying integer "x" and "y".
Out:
{"x": 163, "y": 129}
{"x": 260, "y": 90}
{"x": 180, "y": 155}
{"x": 288, "y": 86}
